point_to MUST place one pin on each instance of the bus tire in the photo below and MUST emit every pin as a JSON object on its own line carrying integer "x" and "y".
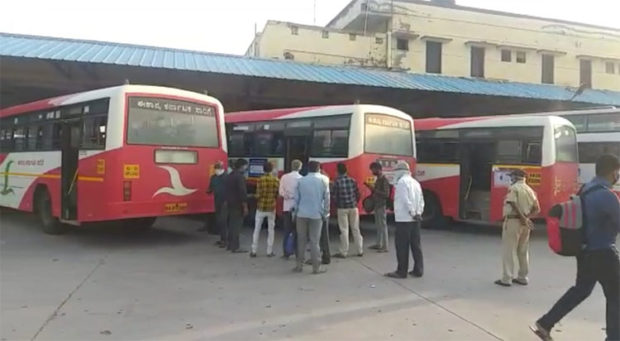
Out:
{"x": 43, "y": 209}
{"x": 433, "y": 217}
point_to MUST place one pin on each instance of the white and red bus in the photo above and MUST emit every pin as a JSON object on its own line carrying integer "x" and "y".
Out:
{"x": 463, "y": 163}
{"x": 354, "y": 134}
{"x": 130, "y": 152}
{"x": 598, "y": 133}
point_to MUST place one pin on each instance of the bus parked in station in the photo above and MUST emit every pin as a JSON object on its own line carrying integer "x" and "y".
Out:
{"x": 129, "y": 153}
{"x": 354, "y": 134}
{"x": 598, "y": 133}
{"x": 464, "y": 163}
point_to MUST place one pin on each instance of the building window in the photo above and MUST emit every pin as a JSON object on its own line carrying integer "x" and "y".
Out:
{"x": 379, "y": 40}
{"x": 521, "y": 57}
{"x": 294, "y": 30}
{"x": 402, "y": 44}
{"x": 325, "y": 34}
{"x": 585, "y": 73}
{"x": 548, "y": 66}
{"x": 433, "y": 57}
{"x": 610, "y": 67}
{"x": 477, "y": 61}
{"x": 506, "y": 55}
{"x": 352, "y": 36}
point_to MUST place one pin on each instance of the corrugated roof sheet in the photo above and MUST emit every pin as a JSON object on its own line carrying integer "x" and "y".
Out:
{"x": 13, "y": 45}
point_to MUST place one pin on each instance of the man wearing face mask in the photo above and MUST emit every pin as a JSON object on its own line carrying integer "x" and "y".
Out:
{"x": 520, "y": 205}
{"x": 217, "y": 187}
{"x": 237, "y": 202}
{"x": 599, "y": 261}
{"x": 408, "y": 208}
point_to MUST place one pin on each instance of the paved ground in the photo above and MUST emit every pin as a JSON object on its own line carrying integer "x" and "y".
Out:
{"x": 172, "y": 284}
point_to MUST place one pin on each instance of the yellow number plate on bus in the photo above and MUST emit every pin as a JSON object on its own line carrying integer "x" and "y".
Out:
{"x": 175, "y": 207}
{"x": 131, "y": 171}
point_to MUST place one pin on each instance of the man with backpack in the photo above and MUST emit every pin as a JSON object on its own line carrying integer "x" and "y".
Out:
{"x": 520, "y": 205}
{"x": 598, "y": 261}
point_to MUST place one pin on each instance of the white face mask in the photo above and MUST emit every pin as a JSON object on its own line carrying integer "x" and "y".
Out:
{"x": 219, "y": 171}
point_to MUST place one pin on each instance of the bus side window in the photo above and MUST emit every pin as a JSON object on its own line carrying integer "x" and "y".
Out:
{"x": 534, "y": 153}
{"x": 94, "y": 133}
{"x": 509, "y": 151}
{"x": 19, "y": 139}
{"x": 56, "y": 136}
{"x": 33, "y": 134}
{"x": 6, "y": 140}
{"x": 326, "y": 143}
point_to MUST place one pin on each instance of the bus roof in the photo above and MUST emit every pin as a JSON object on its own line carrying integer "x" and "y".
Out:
{"x": 315, "y": 111}
{"x": 94, "y": 94}
{"x": 588, "y": 111}
{"x": 488, "y": 122}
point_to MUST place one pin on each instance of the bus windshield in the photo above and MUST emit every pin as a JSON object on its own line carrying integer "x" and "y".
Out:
{"x": 388, "y": 135}
{"x": 160, "y": 121}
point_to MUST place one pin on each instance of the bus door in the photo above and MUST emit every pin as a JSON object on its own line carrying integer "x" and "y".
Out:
{"x": 477, "y": 159}
{"x": 297, "y": 138}
{"x": 71, "y": 136}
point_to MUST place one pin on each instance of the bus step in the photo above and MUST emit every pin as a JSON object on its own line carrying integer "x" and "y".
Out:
{"x": 70, "y": 222}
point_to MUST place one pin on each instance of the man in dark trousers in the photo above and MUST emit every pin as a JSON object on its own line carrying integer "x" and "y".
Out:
{"x": 237, "y": 202}
{"x": 599, "y": 261}
{"x": 288, "y": 186}
{"x": 380, "y": 194}
{"x": 217, "y": 187}
{"x": 408, "y": 208}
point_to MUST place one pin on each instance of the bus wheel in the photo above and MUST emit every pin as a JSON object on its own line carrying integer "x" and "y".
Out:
{"x": 43, "y": 208}
{"x": 432, "y": 217}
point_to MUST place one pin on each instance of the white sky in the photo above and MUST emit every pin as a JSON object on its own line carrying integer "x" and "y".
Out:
{"x": 227, "y": 26}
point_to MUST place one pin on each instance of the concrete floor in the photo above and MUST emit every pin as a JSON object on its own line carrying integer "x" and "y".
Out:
{"x": 173, "y": 284}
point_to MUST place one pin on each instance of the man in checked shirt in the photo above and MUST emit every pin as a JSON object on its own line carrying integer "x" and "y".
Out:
{"x": 266, "y": 194}
{"x": 347, "y": 195}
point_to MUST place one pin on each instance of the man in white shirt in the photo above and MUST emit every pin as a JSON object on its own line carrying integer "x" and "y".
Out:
{"x": 288, "y": 186}
{"x": 408, "y": 208}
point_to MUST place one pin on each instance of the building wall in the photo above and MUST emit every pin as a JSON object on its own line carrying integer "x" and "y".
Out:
{"x": 568, "y": 43}
{"x": 311, "y": 44}
{"x": 458, "y": 29}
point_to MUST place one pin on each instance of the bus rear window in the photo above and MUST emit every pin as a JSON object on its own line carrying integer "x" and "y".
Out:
{"x": 168, "y": 122}
{"x": 565, "y": 144}
{"x": 388, "y": 135}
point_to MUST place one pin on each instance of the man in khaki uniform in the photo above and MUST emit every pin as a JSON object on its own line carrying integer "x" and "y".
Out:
{"x": 520, "y": 205}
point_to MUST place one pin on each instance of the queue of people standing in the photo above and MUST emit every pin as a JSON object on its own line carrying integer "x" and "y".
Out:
{"x": 306, "y": 208}
{"x": 306, "y": 211}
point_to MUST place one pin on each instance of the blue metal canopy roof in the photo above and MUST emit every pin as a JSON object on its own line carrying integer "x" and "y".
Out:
{"x": 24, "y": 46}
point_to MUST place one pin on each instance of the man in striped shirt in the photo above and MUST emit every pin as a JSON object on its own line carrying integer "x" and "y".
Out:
{"x": 347, "y": 195}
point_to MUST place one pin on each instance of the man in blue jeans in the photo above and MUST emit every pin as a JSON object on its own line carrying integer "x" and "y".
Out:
{"x": 599, "y": 261}
{"x": 311, "y": 208}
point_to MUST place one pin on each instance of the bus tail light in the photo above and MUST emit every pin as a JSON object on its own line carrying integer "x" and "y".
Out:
{"x": 126, "y": 190}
